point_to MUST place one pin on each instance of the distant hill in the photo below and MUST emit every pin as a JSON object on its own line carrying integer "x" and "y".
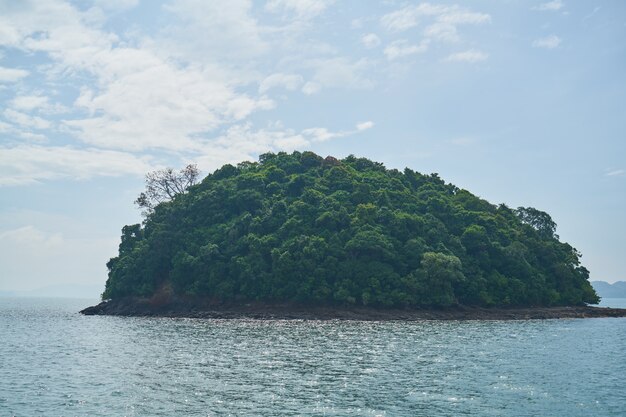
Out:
{"x": 606, "y": 290}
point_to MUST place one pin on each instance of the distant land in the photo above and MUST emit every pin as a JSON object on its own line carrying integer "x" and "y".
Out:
{"x": 303, "y": 231}
{"x": 606, "y": 290}
{"x": 59, "y": 291}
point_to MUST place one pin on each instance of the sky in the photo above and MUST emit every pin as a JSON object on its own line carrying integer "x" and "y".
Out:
{"x": 520, "y": 102}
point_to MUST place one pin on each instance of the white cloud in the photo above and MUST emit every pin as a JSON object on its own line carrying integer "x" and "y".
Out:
{"x": 549, "y": 42}
{"x": 143, "y": 97}
{"x": 302, "y": 9}
{"x": 6, "y": 127}
{"x": 33, "y": 137}
{"x": 242, "y": 142}
{"x": 28, "y": 102}
{"x": 11, "y": 74}
{"x": 550, "y": 6}
{"x": 157, "y": 105}
{"x": 457, "y": 16}
{"x": 357, "y": 23}
{"x": 23, "y": 119}
{"x": 337, "y": 72}
{"x": 615, "y": 172}
{"x": 365, "y": 125}
{"x": 370, "y": 40}
{"x": 31, "y": 236}
{"x": 210, "y": 31}
{"x": 442, "y": 31}
{"x": 53, "y": 27}
{"x": 593, "y": 12}
{"x": 116, "y": 5}
{"x": 321, "y": 134}
{"x": 409, "y": 16}
{"x": 470, "y": 56}
{"x": 402, "y": 48}
{"x": 170, "y": 92}
{"x": 311, "y": 88}
{"x": 403, "y": 19}
{"x": 288, "y": 81}
{"x": 29, "y": 164}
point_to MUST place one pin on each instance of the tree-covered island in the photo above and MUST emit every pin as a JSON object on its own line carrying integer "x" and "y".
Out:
{"x": 301, "y": 229}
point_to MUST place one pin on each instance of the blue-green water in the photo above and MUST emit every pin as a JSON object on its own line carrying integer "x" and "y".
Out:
{"x": 55, "y": 362}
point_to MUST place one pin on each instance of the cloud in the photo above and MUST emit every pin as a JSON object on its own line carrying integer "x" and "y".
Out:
{"x": 409, "y": 16}
{"x": 311, "y": 88}
{"x": 336, "y": 72}
{"x": 614, "y": 172}
{"x": 549, "y": 6}
{"x": 365, "y": 125}
{"x": 243, "y": 142}
{"x": 402, "y": 48}
{"x": 549, "y": 42}
{"x": 116, "y": 5}
{"x": 11, "y": 74}
{"x": 442, "y": 31}
{"x": 471, "y": 56}
{"x": 321, "y": 134}
{"x": 154, "y": 104}
{"x": 25, "y": 120}
{"x": 287, "y": 81}
{"x": 31, "y": 236}
{"x": 28, "y": 102}
{"x": 53, "y": 27}
{"x": 140, "y": 99}
{"x": 33, "y": 137}
{"x": 406, "y": 17}
{"x": 457, "y": 16}
{"x": 27, "y": 164}
{"x": 174, "y": 91}
{"x": 370, "y": 40}
{"x": 301, "y": 9}
{"x": 153, "y": 95}
{"x": 593, "y": 12}
{"x": 209, "y": 31}
{"x": 6, "y": 127}
{"x": 37, "y": 102}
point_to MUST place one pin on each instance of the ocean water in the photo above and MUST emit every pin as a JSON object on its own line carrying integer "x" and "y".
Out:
{"x": 55, "y": 362}
{"x": 613, "y": 302}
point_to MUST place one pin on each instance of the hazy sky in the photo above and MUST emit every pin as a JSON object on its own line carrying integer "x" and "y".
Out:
{"x": 520, "y": 102}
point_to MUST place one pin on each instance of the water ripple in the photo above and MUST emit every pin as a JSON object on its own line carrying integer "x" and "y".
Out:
{"x": 56, "y": 362}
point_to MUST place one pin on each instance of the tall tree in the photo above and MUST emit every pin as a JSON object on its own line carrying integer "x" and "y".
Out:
{"x": 538, "y": 220}
{"x": 165, "y": 184}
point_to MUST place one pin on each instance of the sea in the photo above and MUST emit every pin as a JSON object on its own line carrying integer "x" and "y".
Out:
{"x": 56, "y": 362}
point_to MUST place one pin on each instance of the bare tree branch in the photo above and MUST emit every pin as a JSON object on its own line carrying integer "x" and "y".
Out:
{"x": 165, "y": 184}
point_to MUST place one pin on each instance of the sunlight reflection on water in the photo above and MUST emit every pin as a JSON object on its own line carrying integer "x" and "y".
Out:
{"x": 57, "y": 362}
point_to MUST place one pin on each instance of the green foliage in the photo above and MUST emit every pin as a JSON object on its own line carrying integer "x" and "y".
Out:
{"x": 298, "y": 227}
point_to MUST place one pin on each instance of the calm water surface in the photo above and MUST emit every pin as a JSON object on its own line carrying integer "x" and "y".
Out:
{"x": 55, "y": 362}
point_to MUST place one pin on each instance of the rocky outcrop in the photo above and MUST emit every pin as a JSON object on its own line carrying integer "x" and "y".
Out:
{"x": 204, "y": 308}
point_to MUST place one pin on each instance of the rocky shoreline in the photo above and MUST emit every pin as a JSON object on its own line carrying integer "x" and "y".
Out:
{"x": 201, "y": 308}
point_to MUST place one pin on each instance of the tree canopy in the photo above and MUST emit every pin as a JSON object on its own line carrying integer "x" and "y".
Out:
{"x": 302, "y": 228}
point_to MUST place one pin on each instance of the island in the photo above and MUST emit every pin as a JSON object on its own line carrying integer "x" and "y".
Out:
{"x": 606, "y": 290}
{"x": 302, "y": 236}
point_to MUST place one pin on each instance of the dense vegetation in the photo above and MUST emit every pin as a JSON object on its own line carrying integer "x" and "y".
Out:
{"x": 298, "y": 227}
